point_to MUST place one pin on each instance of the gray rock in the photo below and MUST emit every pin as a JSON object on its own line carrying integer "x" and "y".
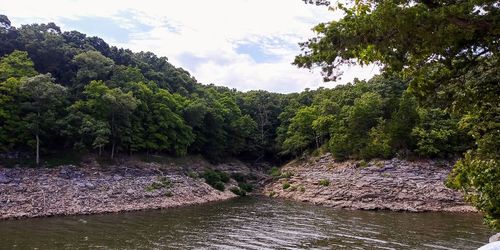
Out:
{"x": 495, "y": 237}
{"x": 4, "y": 179}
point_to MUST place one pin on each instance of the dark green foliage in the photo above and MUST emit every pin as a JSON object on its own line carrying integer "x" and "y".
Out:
{"x": 285, "y": 185}
{"x": 216, "y": 178}
{"x": 239, "y": 177}
{"x": 246, "y": 187}
{"x": 238, "y": 191}
{"x": 448, "y": 53}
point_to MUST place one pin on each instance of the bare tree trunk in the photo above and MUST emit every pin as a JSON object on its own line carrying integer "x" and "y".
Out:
{"x": 113, "y": 149}
{"x": 100, "y": 150}
{"x": 113, "y": 134}
{"x": 37, "y": 150}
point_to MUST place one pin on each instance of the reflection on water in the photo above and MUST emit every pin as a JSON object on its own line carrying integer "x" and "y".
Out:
{"x": 248, "y": 223}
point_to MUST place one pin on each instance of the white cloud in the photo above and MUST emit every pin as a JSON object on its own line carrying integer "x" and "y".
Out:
{"x": 208, "y": 30}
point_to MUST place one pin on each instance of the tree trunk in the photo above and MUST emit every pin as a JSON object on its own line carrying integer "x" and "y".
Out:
{"x": 113, "y": 149}
{"x": 37, "y": 150}
{"x": 113, "y": 135}
{"x": 100, "y": 150}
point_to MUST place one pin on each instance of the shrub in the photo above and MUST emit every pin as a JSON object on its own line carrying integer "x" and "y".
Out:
{"x": 286, "y": 185}
{"x": 324, "y": 182}
{"x": 272, "y": 193}
{"x": 293, "y": 188}
{"x": 238, "y": 191}
{"x": 193, "y": 174}
{"x": 224, "y": 177}
{"x": 275, "y": 172}
{"x": 239, "y": 177}
{"x": 215, "y": 178}
{"x": 219, "y": 186}
{"x": 302, "y": 189}
{"x": 245, "y": 186}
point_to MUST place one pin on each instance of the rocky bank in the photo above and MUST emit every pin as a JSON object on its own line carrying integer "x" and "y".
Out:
{"x": 90, "y": 188}
{"x": 395, "y": 184}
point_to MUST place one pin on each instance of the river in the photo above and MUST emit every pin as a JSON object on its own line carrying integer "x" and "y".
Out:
{"x": 248, "y": 223}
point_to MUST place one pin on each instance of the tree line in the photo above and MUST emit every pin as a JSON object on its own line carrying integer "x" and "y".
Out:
{"x": 65, "y": 91}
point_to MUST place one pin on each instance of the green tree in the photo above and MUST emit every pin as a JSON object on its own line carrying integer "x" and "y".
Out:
{"x": 43, "y": 97}
{"x": 92, "y": 65}
{"x": 12, "y": 68}
{"x": 17, "y": 64}
{"x": 448, "y": 51}
{"x": 111, "y": 106}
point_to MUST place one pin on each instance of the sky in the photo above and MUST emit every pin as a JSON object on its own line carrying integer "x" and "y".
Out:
{"x": 242, "y": 44}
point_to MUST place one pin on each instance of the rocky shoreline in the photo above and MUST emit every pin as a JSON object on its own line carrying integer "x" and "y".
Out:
{"x": 90, "y": 189}
{"x": 396, "y": 185}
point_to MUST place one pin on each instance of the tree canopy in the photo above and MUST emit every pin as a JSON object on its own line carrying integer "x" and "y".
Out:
{"x": 448, "y": 53}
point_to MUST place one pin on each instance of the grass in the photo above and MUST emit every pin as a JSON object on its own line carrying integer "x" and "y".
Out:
{"x": 363, "y": 163}
{"x": 285, "y": 185}
{"x": 324, "y": 182}
{"x": 286, "y": 175}
{"x": 275, "y": 172}
{"x": 162, "y": 182}
{"x": 272, "y": 193}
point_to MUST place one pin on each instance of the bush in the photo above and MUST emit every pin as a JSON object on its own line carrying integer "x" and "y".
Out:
{"x": 224, "y": 177}
{"x": 219, "y": 186}
{"x": 215, "y": 178}
{"x": 193, "y": 174}
{"x": 324, "y": 182}
{"x": 272, "y": 193}
{"x": 286, "y": 185}
{"x": 302, "y": 189}
{"x": 238, "y": 191}
{"x": 245, "y": 186}
{"x": 239, "y": 177}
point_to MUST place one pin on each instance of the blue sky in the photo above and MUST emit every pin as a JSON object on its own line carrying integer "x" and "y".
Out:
{"x": 243, "y": 44}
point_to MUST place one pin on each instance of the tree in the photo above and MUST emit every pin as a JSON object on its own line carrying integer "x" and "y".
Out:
{"x": 112, "y": 107}
{"x": 13, "y": 68}
{"x": 43, "y": 96}
{"x": 17, "y": 64}
{"x": 442, "y": 49}
{"x": 92, "y": 65}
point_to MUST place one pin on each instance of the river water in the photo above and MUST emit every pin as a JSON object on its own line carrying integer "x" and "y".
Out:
{"x": 248, "y": 223}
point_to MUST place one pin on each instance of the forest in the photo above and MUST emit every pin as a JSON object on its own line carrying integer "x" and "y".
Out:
{"x": 63, "y": 91}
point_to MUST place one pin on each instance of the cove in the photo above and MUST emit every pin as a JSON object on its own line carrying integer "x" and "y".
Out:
{"x": 249, "y": 223}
